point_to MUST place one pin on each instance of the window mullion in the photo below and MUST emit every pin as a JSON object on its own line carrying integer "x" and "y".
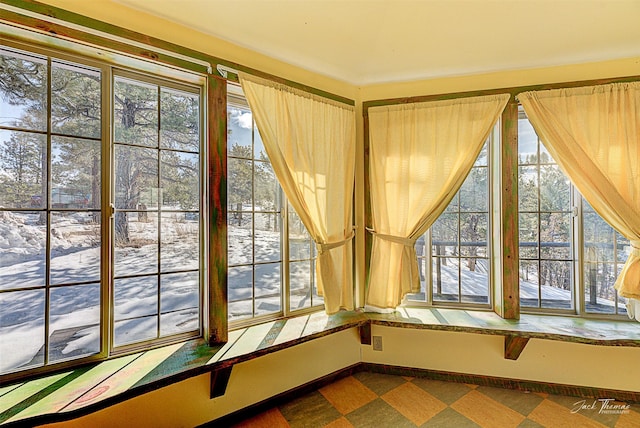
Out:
{"x": 47, "y": 220}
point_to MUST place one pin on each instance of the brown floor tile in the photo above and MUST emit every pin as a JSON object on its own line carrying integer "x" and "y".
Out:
{"x": 414, "y": 403}
{"x": 269, "y": 419}
{"x": 552, "y": 414}
{"x": 486, "y": 412}
{"x": 347, "y": 394}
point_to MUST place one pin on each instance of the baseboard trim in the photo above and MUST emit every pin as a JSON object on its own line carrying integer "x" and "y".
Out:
{"x": 500, "y": 382}
{"x": 630, "y": 397}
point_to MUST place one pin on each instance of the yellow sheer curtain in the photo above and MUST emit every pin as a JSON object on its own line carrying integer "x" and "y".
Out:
{"x": 420, "y": 154}
{"x": 310, "y": 141}
{"x": 594, "y": 135}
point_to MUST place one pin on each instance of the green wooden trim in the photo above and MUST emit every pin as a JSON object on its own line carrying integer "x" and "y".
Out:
{"x": 513, "y": 346}
{"x": 509, "y": 306}
{"x": 368, "y": 220}
{"x": 513, "y": 91}
{"x": 217, "y": 203}
{"x": 133, "y": 36}
{"x": 57, "y": 30}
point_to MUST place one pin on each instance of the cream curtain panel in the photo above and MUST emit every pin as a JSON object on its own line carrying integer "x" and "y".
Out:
{"x": 594, "y": 135}
{"x": 310, "y": 141}
{"x": 420, "y": 154}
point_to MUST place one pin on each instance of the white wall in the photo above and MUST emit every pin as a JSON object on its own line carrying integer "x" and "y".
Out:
{"x": 550, "y": 361}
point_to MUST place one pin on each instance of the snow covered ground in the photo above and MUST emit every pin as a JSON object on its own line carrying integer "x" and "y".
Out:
{"x": 75, "y": 311}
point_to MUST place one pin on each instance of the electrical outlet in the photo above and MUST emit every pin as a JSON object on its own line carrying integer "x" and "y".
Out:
{"x": 377, "y": 343}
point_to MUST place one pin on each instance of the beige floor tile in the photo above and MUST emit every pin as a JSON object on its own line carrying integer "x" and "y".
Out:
{"x": 414, "y": 403}
{"x": 487, "y": 412}
{"x": 552, "y": 414}
{"x": 347, "y": 394}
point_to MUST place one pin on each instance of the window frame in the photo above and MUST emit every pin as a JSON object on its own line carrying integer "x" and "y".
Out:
{"x": 186, "y": 81}
{"x": 236, "y": 99}
{"x": 428, "y": 257}
{"x": 505, "y": 234}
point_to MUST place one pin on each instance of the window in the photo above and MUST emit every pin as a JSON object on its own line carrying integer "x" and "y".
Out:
{"x": 453, "y": 256}
{"x": 553, "y": 220}
{"x": 271, "y": 255}
{"x": 57, "y": 182}
{"x": 157, "y": 197}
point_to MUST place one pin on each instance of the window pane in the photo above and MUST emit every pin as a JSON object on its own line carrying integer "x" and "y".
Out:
{"x": 179, "y": 180}
{"x": 528, "y": 226}
{"x": 268, "y": 295}
{"x": 135, "y": 110}
{"x": 180, "y": 120}
{"x": 179, "y": 303}
{"x": 267, "y": 237}
{"x": 22, "y": 318}
{"x": 444, "y": 233}
{"x": 75, "y": 247}
{"x": 459, "y": 244}
{"x": 135, "y": 309}
{"x": 136, "y": 178}
{"x": 135, "y": 330}
{"x": 240, "y": 238}
{"x": 446, "y": 279}
{"x": 300, "y": 289}
{"x": 239, "y": 184}
{"x": 240, "y": 132}
{"x": 23, "y": 91}
{"x": 528, "y": 188}
{"x": 473, "y": 193}
{"x": 527, "y": 141}
{"x": 266, "y": 188}
{"x": 136, "y": 243}
{"x": 75, "y": 101}
{"x": 300, "y": 243}
{"x": 23, "y": 169}
{"x": 240, "y": 292}
{"x": 529, "y": 280}
{"x": 74, "y": 322}
{"x": 546, "y": 225}
{"x": 555, "y": 236}
{"x": 604, "y": 254}
{"x": 180, "y": 249}
{"x": 75, "y": 173}
{"x": 22, "y": 249}
{"x": 554, "y": 189}
{"x": 555, "y": 280}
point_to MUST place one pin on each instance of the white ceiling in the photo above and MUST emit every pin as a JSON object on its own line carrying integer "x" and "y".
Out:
{"x": 378, "y": 41}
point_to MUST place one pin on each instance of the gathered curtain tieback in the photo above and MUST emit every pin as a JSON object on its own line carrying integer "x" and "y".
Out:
{"x": 324, "y": 247}
{"x": 407, "y": 242}
{"x": 635, "y": 248}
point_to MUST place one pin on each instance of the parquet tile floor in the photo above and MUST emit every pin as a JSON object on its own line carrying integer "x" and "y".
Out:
{"x": 377, "y": 400}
